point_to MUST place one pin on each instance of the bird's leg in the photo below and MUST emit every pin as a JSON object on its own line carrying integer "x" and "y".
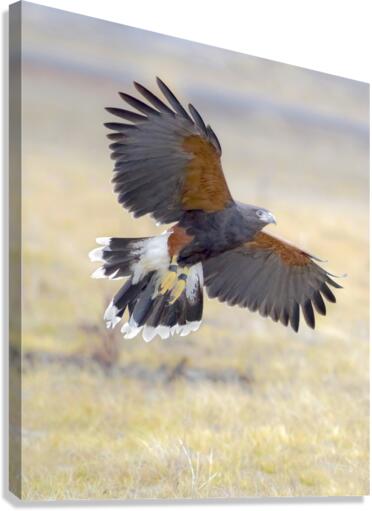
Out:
{"x": 174, "y": 281}
{"x": 179, "y": 286}
{"x": 170, "y": 277}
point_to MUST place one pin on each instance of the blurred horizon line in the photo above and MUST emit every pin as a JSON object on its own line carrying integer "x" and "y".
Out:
{"x": 235, "y": 101}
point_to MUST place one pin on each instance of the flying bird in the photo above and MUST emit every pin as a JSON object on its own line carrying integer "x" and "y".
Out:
{"x": 168, "y": 165}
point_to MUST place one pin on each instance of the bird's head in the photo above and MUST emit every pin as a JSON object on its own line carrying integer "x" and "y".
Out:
{"x": 265, "y": 216}
{"x": 257, "y": 217}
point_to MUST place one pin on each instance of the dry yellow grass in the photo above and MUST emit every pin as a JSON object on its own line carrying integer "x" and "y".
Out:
{"x": 299, "y": 426}
{"x": 299, "y": 429}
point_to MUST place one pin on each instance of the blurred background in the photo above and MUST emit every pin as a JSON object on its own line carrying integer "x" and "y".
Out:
{"x": 243, "y": 407}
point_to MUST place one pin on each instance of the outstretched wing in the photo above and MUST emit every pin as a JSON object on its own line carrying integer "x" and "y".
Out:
{"x": 270, "y": 276}
{"x": 167, "y": 161}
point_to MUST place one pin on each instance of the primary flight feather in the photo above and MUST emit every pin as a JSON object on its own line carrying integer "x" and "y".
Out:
{"x": 168, "y": 165}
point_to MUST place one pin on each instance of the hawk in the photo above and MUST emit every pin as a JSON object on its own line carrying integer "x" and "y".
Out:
{"x": 168, "y": 165}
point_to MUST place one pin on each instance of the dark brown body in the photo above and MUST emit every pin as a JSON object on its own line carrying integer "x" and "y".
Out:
{"x": 200, "y": 235}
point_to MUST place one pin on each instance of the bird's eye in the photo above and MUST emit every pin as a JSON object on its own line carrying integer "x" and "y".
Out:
{"x": 259, "y": 213}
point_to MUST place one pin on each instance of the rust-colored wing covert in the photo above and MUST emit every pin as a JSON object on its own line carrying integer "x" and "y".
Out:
{"x": 204, "y": 185}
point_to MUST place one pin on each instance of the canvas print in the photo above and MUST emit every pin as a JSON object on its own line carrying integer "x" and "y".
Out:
{"x": 219, "y": 202}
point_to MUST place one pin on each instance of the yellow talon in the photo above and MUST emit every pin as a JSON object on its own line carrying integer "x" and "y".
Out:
{"x": 170, "y": 278}
{"x": 177, "y": 290}
{"x": 168, "y": 282}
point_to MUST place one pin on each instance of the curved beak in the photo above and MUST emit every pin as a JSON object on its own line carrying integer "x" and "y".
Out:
{"x": 270, "y": 218}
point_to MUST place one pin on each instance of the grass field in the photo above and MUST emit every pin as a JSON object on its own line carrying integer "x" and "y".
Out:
{"x": 243, "y": 407}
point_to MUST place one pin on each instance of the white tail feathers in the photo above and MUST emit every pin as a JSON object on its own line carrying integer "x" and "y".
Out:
{"x": 130, "y": 330}
{"x": 151, "y": 255}
{"x": 111, "y": 315}
{"x": 146, "y": 262}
